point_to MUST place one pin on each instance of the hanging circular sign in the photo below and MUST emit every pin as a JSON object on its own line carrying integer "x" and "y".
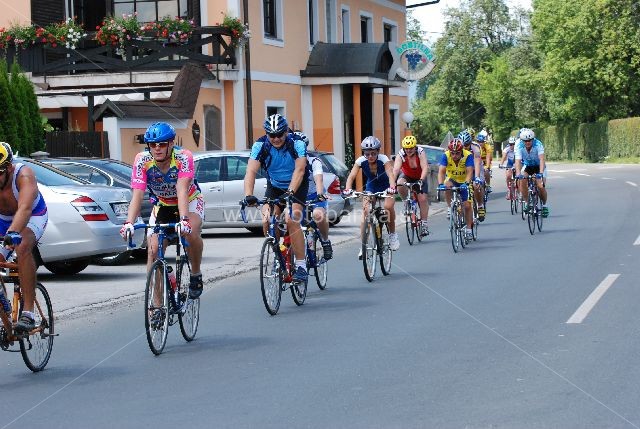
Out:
{"x": 414, "y": 60}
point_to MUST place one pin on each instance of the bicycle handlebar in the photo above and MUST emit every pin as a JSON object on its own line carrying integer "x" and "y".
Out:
{"x": 377, "y": 195}
{"x": 156, "y": 228}
{"x": 270, "y": 201}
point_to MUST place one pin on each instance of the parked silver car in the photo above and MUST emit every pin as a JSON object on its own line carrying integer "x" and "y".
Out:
{"x": 84, "y": 220}
{"x": 220, "y": 175}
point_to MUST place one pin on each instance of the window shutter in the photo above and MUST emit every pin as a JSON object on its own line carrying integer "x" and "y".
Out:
{"x": 44, "y": 12}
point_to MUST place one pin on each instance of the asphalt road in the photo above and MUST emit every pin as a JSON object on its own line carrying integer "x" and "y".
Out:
{"x": 475, "y": 339}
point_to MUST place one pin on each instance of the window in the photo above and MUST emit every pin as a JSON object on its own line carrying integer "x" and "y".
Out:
{"x": 330, "y": 16}
{"x": 313, "y": 21}
{"x": 387, "y": 34}
{"x": 208, "y": 169}
{"x": 365, "y": 29}
{"x": 346, "y": 27}
{"x": 389, "y": 30}
{"x": 270, "y": 19}
{"x": 212, "y": 128}
{"x": 236, "y": 167}
{"x": 151, "y": 10}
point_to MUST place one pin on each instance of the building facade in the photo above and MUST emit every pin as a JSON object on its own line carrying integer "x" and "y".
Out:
{"x": 324, "y": 64}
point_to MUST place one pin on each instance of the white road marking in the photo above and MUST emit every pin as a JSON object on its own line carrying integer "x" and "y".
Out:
{"x": 632, "y": 184}
{"x": 571, "y": 170}
{"x": 582, "y": 174}
{"x": 593, "y": 299}
{"x": 608, "y": 178}
{"x": 637, "y": 242}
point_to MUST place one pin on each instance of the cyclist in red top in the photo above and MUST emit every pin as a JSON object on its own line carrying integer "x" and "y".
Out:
{"x": 411, "y": 165}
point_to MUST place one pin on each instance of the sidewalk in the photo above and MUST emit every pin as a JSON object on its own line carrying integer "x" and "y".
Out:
{"x": 227, "y": 252}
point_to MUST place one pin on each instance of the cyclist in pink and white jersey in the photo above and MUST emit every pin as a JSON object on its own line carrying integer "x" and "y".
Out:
{"x": 168, "y": 172}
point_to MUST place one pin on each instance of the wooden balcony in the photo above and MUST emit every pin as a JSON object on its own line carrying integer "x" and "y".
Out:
{"x": 146, "y": 54}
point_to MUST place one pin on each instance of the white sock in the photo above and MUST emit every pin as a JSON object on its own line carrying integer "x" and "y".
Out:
{"x": 301, "y": 263}
{"x": 28, "y": 313}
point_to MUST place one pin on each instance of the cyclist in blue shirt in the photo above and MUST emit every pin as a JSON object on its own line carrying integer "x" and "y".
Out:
{"x": 285, "y": 161}
{"x": 530, "y": 155}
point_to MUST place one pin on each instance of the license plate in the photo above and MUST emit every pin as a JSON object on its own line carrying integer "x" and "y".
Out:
{"x": 120, "y": 209}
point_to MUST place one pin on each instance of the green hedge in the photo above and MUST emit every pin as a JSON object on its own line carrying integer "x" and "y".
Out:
{"x": 592, "y": 142}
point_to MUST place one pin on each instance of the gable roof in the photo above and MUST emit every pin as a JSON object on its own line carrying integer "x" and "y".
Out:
{"x": 180, "y": 105}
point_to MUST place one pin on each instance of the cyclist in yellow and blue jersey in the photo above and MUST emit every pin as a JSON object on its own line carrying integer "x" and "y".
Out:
{"x": 168, "y": 172}
{"x": 478, "y": 171}
{"x": 486, "y": 153}
{"x": 456, "y": 169}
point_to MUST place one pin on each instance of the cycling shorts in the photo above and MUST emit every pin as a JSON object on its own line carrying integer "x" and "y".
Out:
{"x": 170, "y": 214}
{"x": 37, "y": 224}
{"x": 464, "y": 195}
{"x": 425, "y": 183}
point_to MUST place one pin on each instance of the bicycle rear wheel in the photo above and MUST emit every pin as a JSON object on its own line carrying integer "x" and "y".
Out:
{"x": 408, "y": 222}
{"x": 369, "y": 250}
{"x": 539, "y": 218}
{"x": 512, "y": 200}
{"x": 453, "y": 227}
{"x": 270, "y": 277}
{"x": 189, "y": 314}
{"x": 36, "y": 347}
{"x": 386, "y": 254}
{"x": 321, "y": 268}
{"x": 298, "y": 289}
{"x": 460, "y": 222}
{"x": 156, "y": 307}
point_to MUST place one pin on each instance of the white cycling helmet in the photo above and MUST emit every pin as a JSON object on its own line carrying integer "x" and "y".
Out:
{"x": 527, "y": 134}
{"x": 370, "y": 143}
{"x": 512, "y": 140}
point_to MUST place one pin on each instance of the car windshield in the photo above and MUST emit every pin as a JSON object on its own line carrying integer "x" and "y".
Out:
{"x": 49, "y": 176}
{"x": 336, "y": 165}
{"x": 120, "y": 169}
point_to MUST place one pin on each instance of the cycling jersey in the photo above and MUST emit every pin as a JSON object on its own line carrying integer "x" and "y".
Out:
{"x": 530, "y": 157}
{"x": 146, "y": 174}
{"x": 457, "y": 171}
{"x": 411, "y": 173}
{"x": 511, "y": 155}
{"x": 315, "y": 167}
{"x": 39, "y": 215}
{"x": 378, "y": 181}
{"x": 484, "y": 149}
{"x": 281, "y": 162}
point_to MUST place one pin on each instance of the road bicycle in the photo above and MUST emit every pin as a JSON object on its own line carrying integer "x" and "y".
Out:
{"x": 36, "y": 345}
{"x": 512, "y": 191}
{"x": 375, "y": 237}
{"x": 474, "y": 215}
{"x": 456, "y": 220}
{"x": 411, "y": 209}
{"x": 314, "y": 253}
{"x": 534, "y": 214}
{"x": 277, "y": 264}
{"x": 166, "y": 295}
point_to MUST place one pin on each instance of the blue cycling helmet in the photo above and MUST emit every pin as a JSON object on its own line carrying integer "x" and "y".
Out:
{"x": 275, "y": 124}
{"x": 480, "y": 138}
{"x": 465, "y": 137}
{"x": 159, "y": 132}
{"x": 299, "y": 135}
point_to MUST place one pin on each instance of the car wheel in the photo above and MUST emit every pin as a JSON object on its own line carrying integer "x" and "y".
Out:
{"x": 256, "y": 230}
{"x": 67, "y": 267}
{"x": 117, "y": 259}
{"x": 335, "y": 221}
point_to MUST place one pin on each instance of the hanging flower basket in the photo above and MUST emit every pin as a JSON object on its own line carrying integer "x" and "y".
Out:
{"x": 240, "y": 33}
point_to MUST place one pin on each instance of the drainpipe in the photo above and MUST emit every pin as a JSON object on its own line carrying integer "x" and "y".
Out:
{"x": 247, "y": 61}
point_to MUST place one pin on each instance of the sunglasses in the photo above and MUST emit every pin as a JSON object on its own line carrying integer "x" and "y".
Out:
{"x": 276, "y": 135}
{"x": 158, "y": 144}
{"x": 456, "y": 152}
{"x": 370, "y": 154}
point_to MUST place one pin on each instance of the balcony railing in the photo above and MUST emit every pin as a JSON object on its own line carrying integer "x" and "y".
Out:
{"x": 138, "y": 55}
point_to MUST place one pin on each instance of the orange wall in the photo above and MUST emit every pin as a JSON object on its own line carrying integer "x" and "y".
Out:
{"x": 322, "y": 126}
{"x": 290, "y": 94}
{"x": 229, "y": 116}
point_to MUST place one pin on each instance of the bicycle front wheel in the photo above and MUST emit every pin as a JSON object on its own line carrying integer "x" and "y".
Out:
{"x": 460, "y": 223}
{"x": 408, "y": 222}
{"x": 36, "y": 347}
{"x": 453, "y": 228}
{"x": 189, "y": 314}
{"x": 369, "y": 250}
{"x": 156, "y": 307}
{"x": 531, "y": 219}
{"x": 270, "y": 277}
{"x": 417, "y": 222}
{"x": 386, "y": 254}
{"x": 321, "y": 268}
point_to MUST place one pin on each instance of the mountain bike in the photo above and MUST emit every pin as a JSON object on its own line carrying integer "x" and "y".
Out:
{"x": 314, "y": 259}
{"x": 277, "y": 263}
{"x": 166, "y": 295}
{"x": 411, "y": 209}
{"x": 36, "y": 345}
{"x": 375, "y": 237}
{"x": 534, "y": 214}
{"x": 456, "y": 220}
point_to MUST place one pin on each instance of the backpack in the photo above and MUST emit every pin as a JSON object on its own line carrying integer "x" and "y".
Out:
{"x": 264, "y": 156}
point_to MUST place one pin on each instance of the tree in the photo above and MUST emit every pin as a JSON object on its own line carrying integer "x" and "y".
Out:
{"x": 7, "y": 110}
